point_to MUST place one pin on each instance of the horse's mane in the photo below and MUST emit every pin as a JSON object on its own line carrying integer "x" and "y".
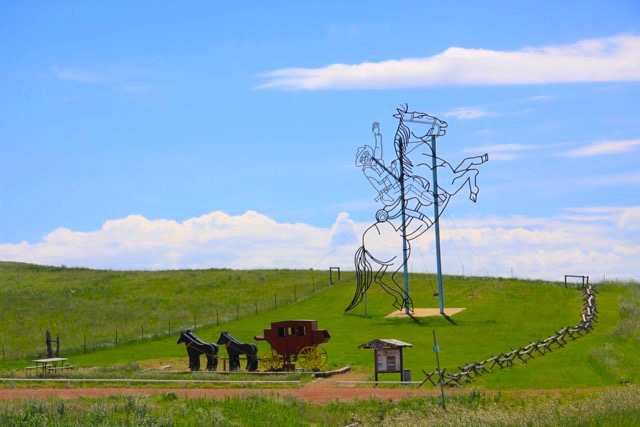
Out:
{"x": 401, "y": 139}
{"x": 230, "y": 338}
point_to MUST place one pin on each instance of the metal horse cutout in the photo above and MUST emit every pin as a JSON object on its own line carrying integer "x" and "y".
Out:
{"x": 413, "y": 164}
{"x": 235, "y": 348}
{"x": 196, "y": 347}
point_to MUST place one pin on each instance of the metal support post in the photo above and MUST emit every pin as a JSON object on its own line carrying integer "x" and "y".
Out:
{"x": 437, "y": 225}
{"x": 405, "y": 272}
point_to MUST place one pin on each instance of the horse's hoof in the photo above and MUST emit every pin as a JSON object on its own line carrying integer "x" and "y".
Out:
{"x": 485, "y": 158}
{"x": 473, "y": 197}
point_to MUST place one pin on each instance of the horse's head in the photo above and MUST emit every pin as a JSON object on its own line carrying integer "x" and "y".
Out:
{"x": 422, "y": 125}
{"x": 183, "y": 338}
{"x": 224, "y": 338}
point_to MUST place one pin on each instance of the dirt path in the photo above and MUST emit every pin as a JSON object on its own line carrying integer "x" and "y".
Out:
{"x": 320, "y": 395}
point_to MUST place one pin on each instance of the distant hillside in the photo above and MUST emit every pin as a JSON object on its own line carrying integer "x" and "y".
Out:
{"x": 78, "y": 302}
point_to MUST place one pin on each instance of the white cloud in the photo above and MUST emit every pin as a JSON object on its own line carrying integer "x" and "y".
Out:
{"x": 502, "y": 151}
{"x": 504, "y": 147}
{"x": 630, "y": 219}
{"x": 605, "y": 147}
{"x": 500, "y": 156}
{"x": 632, "y": 178}
{"x": 592, "y": 60}
{"x": 80, "y": 76}
{"x": 468, "y": 113}
{"x": 594, "y": 241}
{"x": 601, "y": 243}
{"x": 132, "y": 80}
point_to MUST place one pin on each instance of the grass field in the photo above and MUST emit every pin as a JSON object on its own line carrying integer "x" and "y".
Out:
{"x": 93, "y": 304}
{"x": 500, "y": 314}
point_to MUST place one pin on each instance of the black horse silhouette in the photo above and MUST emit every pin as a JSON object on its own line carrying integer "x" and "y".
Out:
{"x": 196, "y": 347}
{"x": 235, "y": 348}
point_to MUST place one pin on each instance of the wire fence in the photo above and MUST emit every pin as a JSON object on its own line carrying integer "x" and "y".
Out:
{"x": 134, "y": 332}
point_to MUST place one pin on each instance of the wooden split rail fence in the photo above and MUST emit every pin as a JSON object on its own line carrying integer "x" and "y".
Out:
{"x": 468, "y": 372}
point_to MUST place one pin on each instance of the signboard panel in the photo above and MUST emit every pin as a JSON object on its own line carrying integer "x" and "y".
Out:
{"x": 388, "y": 360}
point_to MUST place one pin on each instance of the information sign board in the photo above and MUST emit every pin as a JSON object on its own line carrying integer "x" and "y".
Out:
{"x": 388, "y": 360}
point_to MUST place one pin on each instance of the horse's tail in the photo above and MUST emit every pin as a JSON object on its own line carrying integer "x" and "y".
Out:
{"x": 364, "y": 277}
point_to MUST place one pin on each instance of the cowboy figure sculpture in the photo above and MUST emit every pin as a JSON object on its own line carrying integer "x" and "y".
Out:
{"x": 413, "y": 164}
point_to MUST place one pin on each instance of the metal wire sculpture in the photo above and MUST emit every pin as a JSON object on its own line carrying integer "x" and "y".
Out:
{"x": 405, "y": 191}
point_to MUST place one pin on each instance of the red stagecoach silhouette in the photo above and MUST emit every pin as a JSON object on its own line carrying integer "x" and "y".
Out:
{"x": 295, "y": 341}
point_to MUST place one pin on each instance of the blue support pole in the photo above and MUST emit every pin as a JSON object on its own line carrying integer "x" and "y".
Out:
{"x": 437, "y": 225}
{"x": 405, "y": 272}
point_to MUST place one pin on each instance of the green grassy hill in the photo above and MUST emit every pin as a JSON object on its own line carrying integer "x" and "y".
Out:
{"x": 77, "y": 303}
{"x": 500, "y": 314}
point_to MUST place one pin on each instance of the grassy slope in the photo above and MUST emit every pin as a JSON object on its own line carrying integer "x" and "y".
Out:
{"x": 74, "y": 303}
{"x": 500, "y": 314}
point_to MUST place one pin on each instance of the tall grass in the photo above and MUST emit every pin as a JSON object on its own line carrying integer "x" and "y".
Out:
{"x": 612, "y": 407}
{"x": 612, "y": 356}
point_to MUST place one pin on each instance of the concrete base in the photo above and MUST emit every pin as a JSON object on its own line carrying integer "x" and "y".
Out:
{"x": 425, "y": 312}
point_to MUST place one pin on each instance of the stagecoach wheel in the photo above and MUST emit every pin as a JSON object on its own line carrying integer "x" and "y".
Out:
{"x": 273, "y": 362}
{"x": 312, "y": 357}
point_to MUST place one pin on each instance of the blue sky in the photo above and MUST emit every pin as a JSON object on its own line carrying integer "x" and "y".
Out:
{"x": 138, "y": 117}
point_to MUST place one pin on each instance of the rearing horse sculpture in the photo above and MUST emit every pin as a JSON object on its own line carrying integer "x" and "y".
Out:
{"x": 413, "y": 148}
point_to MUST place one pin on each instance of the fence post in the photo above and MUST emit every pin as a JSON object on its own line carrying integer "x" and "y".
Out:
{"x": 314, "y": 284}
{"x": 169, "y": 326}
{"x": 142, "y": 332}
{"x": 3, "y": 355}
{"x": 85, "y": 344}
{"x": 116, "y": 337}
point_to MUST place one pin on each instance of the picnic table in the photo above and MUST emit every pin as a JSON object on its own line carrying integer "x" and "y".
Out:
{"x": 49, "y": 365}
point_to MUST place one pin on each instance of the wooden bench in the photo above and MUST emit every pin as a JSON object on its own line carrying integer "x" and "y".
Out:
{"x": 55, "y": 369}
{"x": 29, "y": 369}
